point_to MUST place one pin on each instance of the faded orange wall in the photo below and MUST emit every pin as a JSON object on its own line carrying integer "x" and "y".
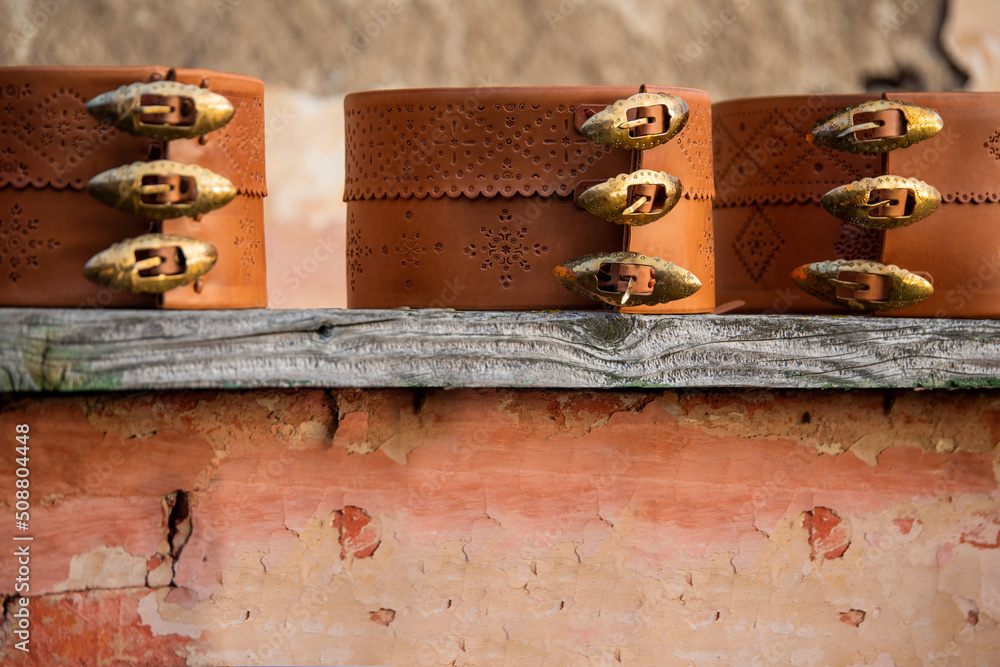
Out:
{"x": 479, "y": 527}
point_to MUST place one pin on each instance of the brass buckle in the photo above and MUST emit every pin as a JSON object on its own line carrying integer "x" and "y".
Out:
{"x": 639, "y": 122}
{"x": 151, "y": 263}
{"x": 862, "y": 284}
{"x": 162, "y": 189}
{"x": 884, "y": 202}
{"x": 626, "y": 278}
{"x": 162, "y": 110}
{"x": 878, "y": 126}
{"x": 633, "y": 199}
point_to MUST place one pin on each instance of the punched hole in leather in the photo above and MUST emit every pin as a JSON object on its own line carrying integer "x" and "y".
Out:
{"x": 876, "y": 287}
{"x": 182, "y": 189}
{"x": 173, "y": 262}
{"x": 895, "y": 203}
{"x": 892, "y": 123}
{"x": 614, "y": 277}
{"x": 182, "y": 110}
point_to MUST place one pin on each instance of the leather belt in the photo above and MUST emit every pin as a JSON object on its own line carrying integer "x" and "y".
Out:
{"x": 502, "y": 198}
{"x": 131, "y": 187}
{"x": 854, "y": 203}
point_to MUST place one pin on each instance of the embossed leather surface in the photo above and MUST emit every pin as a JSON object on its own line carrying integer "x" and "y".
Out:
{"x": 463, "y": 198}
{"x": 50, "y": 226}
{"x": 769, "y": 180}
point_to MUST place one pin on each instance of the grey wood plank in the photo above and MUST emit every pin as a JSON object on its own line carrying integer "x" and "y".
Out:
{"x": 93, "y": 350}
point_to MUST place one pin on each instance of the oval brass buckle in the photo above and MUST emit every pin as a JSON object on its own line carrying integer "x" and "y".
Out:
{"x": 151, "y": 263}
{"x": 862, "y": 284}
{"x": 162, "y": 110}
{"x": 162, "y": 189}
{"x": 878, "y": 126}
{"x": 633, "y": 199}
{"x": 639, "y": 122}
{"x": 626, "y": 279}
{"x": 884, "y": 202}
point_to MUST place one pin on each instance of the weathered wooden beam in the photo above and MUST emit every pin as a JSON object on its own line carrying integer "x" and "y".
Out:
{"x": 74, "y": 350}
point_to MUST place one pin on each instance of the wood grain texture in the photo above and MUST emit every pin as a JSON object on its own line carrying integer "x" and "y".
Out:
{"x": 74, "y": 350}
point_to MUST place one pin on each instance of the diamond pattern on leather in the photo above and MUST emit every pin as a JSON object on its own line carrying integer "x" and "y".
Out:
{"x": 56, "y": 129}
{"x": 757, "y": 244}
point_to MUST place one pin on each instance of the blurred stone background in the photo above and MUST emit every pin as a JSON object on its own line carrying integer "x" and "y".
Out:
{"x": 312, "y": 52}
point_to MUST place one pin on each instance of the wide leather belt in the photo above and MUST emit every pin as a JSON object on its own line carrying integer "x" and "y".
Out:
{"x": 856, "y": 203}
{"x": 530, "y": 198}
{"x": 131, "y": 187}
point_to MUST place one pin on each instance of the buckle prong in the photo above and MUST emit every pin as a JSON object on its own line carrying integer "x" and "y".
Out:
{"x": 628, "y": 290}
{"x": 629, "y": 124}
{"x": 634, "y": 207}
{"x": 870, "y": 125}
{"x": 158, "y": 189}
{"x": 877, "y": 204}
{"x": 155, "y": 110}
{"x": 848, "y": 284}
{"x": 148, "y": 263}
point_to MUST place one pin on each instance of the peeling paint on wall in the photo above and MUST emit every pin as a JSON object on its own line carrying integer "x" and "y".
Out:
{"x": 490, "y": 526}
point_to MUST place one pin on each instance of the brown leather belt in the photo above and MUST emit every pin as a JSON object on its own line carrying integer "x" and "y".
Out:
{"x": 501, "y": 198}
{"x": 174, "y": 163}
{"x": 855, "y": 203}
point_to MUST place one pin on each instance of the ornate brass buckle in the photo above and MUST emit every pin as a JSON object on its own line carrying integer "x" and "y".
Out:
{"x": 162, "y": 189}
{"x": 633, "y": 199}
{"x": 878, "y": 126}
{"x": 639, "y": 122}
{"x": 862, "y": 284}
{"x": 626, "y": 278}
{"x": 884, "y": 202}
{"x": 162, "y": 110}
{"x": 151, "y": 263}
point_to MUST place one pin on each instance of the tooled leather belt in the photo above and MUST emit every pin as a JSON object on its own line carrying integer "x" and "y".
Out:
{"x": 530, "y": 198}
{"x": 131, "y": 187}
{"x": 842, "y": 203}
